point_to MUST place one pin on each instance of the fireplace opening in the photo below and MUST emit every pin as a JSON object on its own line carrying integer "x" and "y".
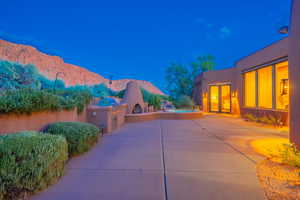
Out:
{"x": 137, "y": 109}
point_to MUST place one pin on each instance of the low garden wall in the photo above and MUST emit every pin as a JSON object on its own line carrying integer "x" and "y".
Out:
{"x": 107, "y": 117}
{"x": 10, "y": 123}
{"x": 162, "y": 115}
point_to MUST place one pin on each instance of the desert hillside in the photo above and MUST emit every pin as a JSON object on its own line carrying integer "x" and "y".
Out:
{"x": 50, "y": 65}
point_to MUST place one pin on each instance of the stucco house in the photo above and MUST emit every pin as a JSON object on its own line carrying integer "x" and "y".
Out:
{"x": 264, "y": 83}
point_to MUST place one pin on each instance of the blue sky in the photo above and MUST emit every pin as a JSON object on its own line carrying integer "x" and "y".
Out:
{"x": 138, "y": 39}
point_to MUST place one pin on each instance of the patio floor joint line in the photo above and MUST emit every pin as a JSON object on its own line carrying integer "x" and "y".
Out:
{"x": 226, "y": 143}
{"x": 163, "y": 161}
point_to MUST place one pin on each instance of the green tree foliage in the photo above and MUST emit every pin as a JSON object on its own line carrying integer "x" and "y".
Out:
{"x": 183, "y": 101}
{"x": 16, "y": 76}
{"x": 101, "y": 90}
{"x": 180, "y": 78}
{"x": 202, "y": 64}
{"x": 119, "y": 94}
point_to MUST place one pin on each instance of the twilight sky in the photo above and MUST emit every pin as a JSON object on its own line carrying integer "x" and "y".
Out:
{"x": 137, "y": 38}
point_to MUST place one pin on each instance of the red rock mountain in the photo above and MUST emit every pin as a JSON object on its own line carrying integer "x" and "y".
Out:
{"x": 50, "y": 65}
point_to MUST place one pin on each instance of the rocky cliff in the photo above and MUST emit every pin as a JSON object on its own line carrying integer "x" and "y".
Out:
{"x": 71, "y": 74}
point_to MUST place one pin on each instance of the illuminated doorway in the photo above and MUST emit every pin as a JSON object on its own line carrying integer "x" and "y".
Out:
{"x": 220, "y": 98}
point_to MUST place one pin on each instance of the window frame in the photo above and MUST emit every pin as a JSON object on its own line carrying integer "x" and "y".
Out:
{"x": 274, "y": 85}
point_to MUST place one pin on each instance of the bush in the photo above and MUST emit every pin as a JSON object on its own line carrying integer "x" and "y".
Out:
{"x": 80, "y": 136}
{"x": 27, "y": 101}
{"x": 184, "y": 102}
{"x": 29, "y": 162}
{"x": 153, "y": 99}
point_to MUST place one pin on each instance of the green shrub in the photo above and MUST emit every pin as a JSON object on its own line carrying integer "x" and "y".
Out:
{"x": 119, "y": 94}
{"x": 29, "y": 162}
{"x": 27, "y": 101}
{"x": 184, "y": 102}
{"x": 80, "y": 136}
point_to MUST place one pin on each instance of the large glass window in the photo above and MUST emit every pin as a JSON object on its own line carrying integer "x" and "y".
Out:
{"x": 265, "y": 97}
{"x": 266, "y": 77}
{"x": 250, "y": 89}
{"x": 282, "y": 86}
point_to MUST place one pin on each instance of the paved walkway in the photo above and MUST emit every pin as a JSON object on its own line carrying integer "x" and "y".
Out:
{"x": 205, "y": 159}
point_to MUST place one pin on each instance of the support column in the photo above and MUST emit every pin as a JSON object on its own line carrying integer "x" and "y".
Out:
{"x": 294, "y": 74}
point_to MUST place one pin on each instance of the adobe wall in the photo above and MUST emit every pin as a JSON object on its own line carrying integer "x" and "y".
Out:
{"x": 107, "y": 117}
{"x": 10, "y": 123}
{"x": 294, "y": 73}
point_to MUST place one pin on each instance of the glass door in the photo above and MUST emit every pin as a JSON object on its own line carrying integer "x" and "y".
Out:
{"x": 225, "y": 98}
{"x": 220, "y": 98}
{"x": 214, "y": 98}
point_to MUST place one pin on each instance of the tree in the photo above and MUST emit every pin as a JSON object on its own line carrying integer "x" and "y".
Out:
{"x": 202, "y": 64}
{"x": 180, "y": 78}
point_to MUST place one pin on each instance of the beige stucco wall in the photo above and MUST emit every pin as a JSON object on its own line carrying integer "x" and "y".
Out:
{"x": 277, "y": 50}
{"x": 10, "y": 123}
{"x": 294, "y": 73}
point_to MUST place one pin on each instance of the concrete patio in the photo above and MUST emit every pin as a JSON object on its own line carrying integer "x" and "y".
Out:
{"x": 207, "y": 159}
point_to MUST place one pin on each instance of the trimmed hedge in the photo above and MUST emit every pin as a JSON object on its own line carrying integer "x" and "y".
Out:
{"x": 80, "y": 136}
{"x": 29, "y": 162}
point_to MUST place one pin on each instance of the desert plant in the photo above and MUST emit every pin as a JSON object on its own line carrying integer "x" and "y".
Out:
{"x": 80, "y": 136}
{"x": 250, "y": 117}
{"x": 290, "y": 155}
{"x": 29, "y": 162}
{"x": 153, "y": 99}
{"x": 183, "y": 101}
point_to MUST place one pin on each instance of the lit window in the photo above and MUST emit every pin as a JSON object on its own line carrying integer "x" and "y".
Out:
{"x": 226, "y": 98}
{"x": 265, "y": 95}
{"x": 282, "y": 86}
{"x": 250, "y": 89}
{"x": 214, "y": 98}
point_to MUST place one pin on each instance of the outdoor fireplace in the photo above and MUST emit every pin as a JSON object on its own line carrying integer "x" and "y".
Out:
{"x": 133, "y": 98}
{"x": 137, "y": 109}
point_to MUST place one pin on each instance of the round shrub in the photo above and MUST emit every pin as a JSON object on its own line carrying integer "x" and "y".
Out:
{"x": 29, "y": 162}
{"x": 80, "y": 136}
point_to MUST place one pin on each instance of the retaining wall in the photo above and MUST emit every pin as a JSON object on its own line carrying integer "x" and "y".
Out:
{"x": 10, "y": 123}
